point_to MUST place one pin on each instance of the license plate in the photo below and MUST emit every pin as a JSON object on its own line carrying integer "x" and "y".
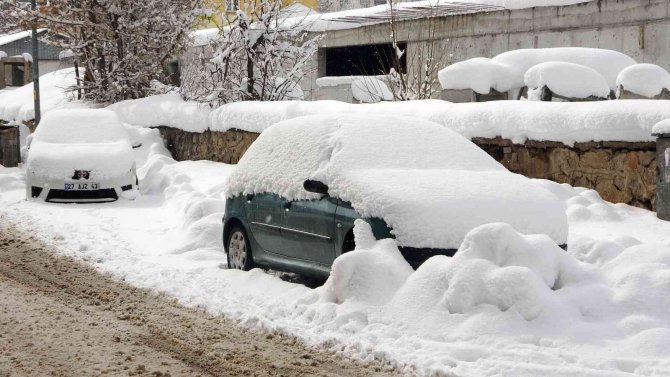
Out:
{"x": 82, "y": 186}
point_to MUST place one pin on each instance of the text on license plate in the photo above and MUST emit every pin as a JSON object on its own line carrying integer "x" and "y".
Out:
{"x": 82, "y": 186}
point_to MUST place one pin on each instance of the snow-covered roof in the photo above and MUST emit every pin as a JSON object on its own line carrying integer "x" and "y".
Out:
{"x": 431, "y": 191}
{"x": 647, "y": 80}
{"x": 9, "y": 38}
{"x": 567, "y": 80}
{"x": 353, "y": 18}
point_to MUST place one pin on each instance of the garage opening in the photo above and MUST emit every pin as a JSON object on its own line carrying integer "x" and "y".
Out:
{"x": 365, "y": 60}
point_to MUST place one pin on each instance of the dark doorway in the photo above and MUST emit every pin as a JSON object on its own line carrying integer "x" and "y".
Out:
{"x": 17, "y": 75}
{"x": 366, "y": 60}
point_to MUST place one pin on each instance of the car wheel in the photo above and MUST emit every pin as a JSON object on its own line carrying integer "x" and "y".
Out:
{"x": 239, "y": 251}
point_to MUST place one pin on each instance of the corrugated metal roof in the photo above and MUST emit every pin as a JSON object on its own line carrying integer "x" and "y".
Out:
{"x": 21, "y": 43}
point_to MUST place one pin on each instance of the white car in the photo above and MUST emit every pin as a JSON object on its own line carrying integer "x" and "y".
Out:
{"x": 80, "y": 155}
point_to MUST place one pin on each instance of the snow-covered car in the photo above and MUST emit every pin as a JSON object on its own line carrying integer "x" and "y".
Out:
{"x": 80, "y": 155}
{"x": 295, "y": 194}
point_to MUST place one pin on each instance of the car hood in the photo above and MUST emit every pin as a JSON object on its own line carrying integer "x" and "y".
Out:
{"x": 59, "y": 161}
{"x": 437, "y": 208}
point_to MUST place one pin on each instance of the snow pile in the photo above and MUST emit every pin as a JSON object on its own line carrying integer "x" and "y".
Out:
{"x": 662, "y": 127}
{"x": 164, "y": 110}
{"x": 3, "y": 54}
{"x": 498, "y": 269}
{"x": 80, "y": 139}
{"x": 647, "y": 80}
{"x": 367, "y": 161}
{"x": 566, "y": 122}
{"x": 606, "y": 62}
{"x": 371, "y": 274}
{"x": 478, "y": 74}
{"x": 370, "y": 90}
{"x": 566, "y": 79}
{"x": 18, "y": 104}
{"x": 328, "y": 81}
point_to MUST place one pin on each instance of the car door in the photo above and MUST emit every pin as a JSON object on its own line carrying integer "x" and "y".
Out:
{"x": 266, "y": 218}
{"x": 309, "y": 230}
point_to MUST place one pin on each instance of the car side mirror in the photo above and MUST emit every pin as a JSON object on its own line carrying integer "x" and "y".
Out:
{"x": 315, "y": 187}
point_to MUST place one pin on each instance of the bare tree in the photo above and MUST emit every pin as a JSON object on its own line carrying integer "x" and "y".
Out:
{"x": 261, "y": 54}
{"x": 417, "y": 77}
{"x": 122, "y": 45}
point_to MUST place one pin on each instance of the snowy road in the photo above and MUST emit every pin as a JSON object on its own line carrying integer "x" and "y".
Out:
{"x": 61, "y": 318}
{"x": 601, "y": 311}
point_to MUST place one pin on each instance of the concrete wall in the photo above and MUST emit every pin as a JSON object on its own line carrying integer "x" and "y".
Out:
{"x": 639, "y": 28}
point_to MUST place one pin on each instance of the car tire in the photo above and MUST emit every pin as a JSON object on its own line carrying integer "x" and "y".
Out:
{"x": 238, "y": 250}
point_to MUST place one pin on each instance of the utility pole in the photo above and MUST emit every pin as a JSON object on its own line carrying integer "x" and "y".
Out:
{"x": 35, "y": 66}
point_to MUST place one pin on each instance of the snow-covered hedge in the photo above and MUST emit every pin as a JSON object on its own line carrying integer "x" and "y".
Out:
{"x": 507, "y": 70}
{"x": 647, "y": 80}
{"x": 567, "y": 80}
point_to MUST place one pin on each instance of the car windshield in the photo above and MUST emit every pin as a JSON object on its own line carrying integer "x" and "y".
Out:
{"x": 80, "y": 126}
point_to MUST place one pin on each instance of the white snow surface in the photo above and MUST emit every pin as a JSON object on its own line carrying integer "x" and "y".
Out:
{"x": 13, "y": 37}
{"x": 370, "y": 90}
{"x": 478, "y": 74}
{"x": 164, "y": 110}
{"x": 368, "y": 161}
{"x": 80, "y": 139}
{"x": 567, "y": 80}
{"x": 647, "y": 80}
{"x": 18, "y": 104}
{"x": 566, "y": 122}
{"x": 662, "y": 127}
{"x": 606, "y": 62}
{"x": 508, "y": 304}
{"x": 328, "y": 81}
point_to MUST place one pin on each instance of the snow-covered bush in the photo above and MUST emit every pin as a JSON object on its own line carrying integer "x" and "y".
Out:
{"x": 566, "y": 80}
{"x": 647, "y": 80}
{"x": 479, "y": 74}
{"x": 259, "y": 55}
{"x": 122, "y": 46}
{"x": 370, "y": 90}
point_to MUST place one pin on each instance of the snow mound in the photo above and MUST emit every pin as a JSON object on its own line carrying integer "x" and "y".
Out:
{"x": 478, "y": 74}
{"x": 495, "y": 266}
{"x": 606, "y": 62}
{"x": 647, "y": 80}
{"x": 18, "y": 104}
{"x": 164, "y": 110}
{"x": 662, "y": 127}
{"x": 567, "y": 79}
{"x": 370, "y": 90}
{"x": 370, "y": 274}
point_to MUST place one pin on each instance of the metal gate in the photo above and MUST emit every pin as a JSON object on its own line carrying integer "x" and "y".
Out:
{"x": 10, "y": 146}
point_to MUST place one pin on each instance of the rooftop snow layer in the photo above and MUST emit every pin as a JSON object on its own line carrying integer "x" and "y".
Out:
{"x": 367, "y": 161}
{"x": 647, "y": 80}
{"x": 13, "y": 37}
{"x": 566, "y": 122}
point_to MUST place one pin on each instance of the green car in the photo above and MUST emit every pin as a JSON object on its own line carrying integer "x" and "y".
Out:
{"x": 294, "y": 196}
{"x": 302, "y": 236}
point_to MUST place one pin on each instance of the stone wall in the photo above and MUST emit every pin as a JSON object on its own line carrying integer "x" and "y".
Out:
{"x": 225, "y": 147}
{"x": 621, "y": 172}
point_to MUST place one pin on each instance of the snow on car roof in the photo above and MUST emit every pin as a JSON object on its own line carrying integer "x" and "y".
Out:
{"x": 74, "y": 126}
{"x": 428, "y": 183}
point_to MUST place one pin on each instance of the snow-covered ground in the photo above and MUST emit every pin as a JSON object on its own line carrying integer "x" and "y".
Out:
{"x": 506, "y": 305}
